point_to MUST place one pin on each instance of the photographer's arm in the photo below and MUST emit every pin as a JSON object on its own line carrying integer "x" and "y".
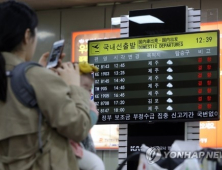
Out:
{"x": 66, "y": 107}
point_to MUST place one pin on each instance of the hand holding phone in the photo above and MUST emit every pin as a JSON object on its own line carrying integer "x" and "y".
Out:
{"x": 55, "y": 54}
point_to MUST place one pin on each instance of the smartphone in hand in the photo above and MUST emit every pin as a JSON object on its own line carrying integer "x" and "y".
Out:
{"x": 56, "y": 52}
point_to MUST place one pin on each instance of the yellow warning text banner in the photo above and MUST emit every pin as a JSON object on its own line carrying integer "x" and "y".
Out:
{"x": 158, "y": 43}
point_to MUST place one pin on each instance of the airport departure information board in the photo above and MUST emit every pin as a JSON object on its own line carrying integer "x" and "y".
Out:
{"x": 161, "y": 78}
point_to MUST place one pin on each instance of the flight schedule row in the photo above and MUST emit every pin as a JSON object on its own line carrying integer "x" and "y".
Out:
{"x": 155, "y": 85}
{"x": 157, "y": 70}
{"x": 157, "y": 100}
{"x": 158, "y": 108}
{"x": 157, "y": 78}
{"x": 156, "y": 93}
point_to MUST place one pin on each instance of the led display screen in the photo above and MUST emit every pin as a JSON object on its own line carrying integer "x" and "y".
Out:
{"x": 157, "y": 78}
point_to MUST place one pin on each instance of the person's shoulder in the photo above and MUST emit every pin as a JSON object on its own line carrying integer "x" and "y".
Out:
{"x": 39, "y": 70}
{"x": 36, "y": 73}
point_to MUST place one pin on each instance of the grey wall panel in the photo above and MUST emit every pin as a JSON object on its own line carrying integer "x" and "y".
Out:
{"x": 100, "y": 153}
{"x": 212, "y": 4}
{"x": 80, "y": 19}
{"x": 110, "y": 159}
{"x": 97, "y": 18}
{"x": 48, "y": 31}
{"x": 190, "y": 3}
{"x": 123, "y": 10}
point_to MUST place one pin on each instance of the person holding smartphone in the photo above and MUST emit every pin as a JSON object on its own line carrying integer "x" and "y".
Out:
{"x": 63, "y": 103}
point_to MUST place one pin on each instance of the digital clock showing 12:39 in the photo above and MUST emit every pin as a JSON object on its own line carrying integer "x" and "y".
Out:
{"x": 204, "y": 39}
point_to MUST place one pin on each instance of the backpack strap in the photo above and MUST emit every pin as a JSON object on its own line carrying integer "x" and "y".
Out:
{"x": 20, "y": 85}
{"x": 24, "y": 91}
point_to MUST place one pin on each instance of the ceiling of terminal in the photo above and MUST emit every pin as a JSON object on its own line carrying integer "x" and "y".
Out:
{"x": 58, "y": 4}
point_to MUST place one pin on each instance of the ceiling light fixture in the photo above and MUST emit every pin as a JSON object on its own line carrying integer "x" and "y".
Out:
{"x": 145, "y": 19}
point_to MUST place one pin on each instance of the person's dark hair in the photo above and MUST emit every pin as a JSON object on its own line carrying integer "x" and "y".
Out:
{"x": 15, "y": 19}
